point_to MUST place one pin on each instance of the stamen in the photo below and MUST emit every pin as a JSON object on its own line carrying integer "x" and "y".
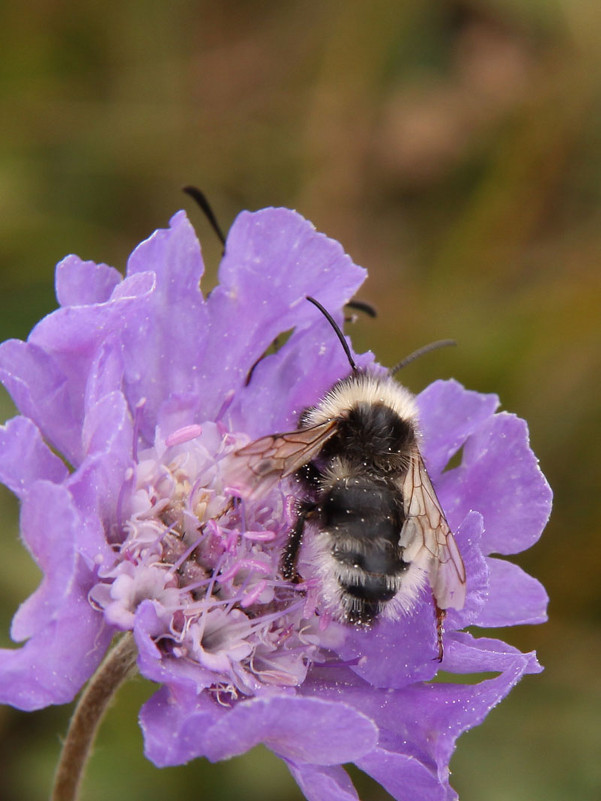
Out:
{"x": 249, "y": 599}
{"x": 260, "y": 536}
{"x": 251, "y": 564}
{"x": 137, "y": 425}
{"x": 186, "y": 555}
{"x": 184, "y": 434}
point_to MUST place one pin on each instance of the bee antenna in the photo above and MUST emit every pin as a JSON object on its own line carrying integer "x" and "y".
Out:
{"x": 205, "y": 206}
{"x": 362, "y": 306}
{"x": 337, "y": 331}
{"x": 440, "y": 343}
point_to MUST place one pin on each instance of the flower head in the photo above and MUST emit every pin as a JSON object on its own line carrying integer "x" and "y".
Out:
{"x": 134, "y": 397}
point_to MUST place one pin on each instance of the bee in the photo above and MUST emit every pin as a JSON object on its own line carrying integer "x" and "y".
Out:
{"x": 379, "y": 534}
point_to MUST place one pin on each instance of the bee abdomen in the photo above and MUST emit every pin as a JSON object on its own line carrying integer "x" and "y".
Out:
{"x": 363, "y": 520}
{"x": 377, "y": 563}
{"x": 361, "y": 504}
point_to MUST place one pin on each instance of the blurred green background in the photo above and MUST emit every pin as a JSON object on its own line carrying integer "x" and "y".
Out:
{"x": 454, "y": 148}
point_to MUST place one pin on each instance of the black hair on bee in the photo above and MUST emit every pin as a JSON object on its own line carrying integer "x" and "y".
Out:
{"x": 379, "y": 534}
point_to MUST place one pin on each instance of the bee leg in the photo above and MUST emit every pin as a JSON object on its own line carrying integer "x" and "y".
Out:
{"x": 295, "y": 538}
{"x": 440, "y": 616}
{"x": 311, "y": 478}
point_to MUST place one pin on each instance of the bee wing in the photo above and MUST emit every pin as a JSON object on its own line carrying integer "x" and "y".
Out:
{"x": 262, "y": 463}
{"x": 427, "y": 539}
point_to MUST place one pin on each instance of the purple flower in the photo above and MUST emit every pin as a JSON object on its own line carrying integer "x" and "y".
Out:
{"x": 133, "y": 396}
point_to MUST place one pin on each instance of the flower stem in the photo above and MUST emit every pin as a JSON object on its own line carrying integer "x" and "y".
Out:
{"x": 118, "y": 665}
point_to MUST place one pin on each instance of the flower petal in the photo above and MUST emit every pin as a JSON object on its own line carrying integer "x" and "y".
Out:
{"x": 182, "y": 676}
{"x": 299, "y": 729}
{"x": 469, "y": 540}
{"x": 102, "y": 484}
{"x": 47, "y": 375}
{"x": 404, "y": 776}
{"x": 500, "y": 477}
{"x": 274, "y": 258}
{"x": 418, "y": 724}
{"x": 53, "y": 666}
{"x": 81, "y": 283}
{"x": 298, "y": 375}
{"x": 67, "y": 637}
{"x": 106, "y": 371}
{"x": 448, "y": 415}
{"x": 48, "y": 525}
{"x": 323, "y": 782}
{"x": 163, "y": 343}
{"x": 40, "y": 391}
{"x": 175, "y": 732}
{"x": 26, "y": 457}
{"x": 515, "y": 597}
{"x": 394, "y": 654}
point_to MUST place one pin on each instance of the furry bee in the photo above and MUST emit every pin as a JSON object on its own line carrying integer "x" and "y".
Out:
{"x": 379, "y": 533}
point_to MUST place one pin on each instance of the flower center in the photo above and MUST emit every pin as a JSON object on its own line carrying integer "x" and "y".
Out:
{"x": 208, "y": 562}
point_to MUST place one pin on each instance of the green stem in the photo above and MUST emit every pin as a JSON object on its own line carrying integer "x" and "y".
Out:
{"x": 118, "y": 665}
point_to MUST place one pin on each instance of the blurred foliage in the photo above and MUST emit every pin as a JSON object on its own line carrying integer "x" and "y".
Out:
{"x": 454, "y": 147}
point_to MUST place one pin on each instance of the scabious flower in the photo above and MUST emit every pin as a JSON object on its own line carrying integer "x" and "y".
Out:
{"x": 133, "y": 397}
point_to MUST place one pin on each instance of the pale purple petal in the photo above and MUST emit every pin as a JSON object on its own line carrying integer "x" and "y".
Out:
{"x": 448, "y": 415}
{"x": 107, "y": 435}
{"x": 273, "y": 259}
{"x": 394, "y": 654}
{"x": 469, "y": 540}
{"x": 499, "y": 476}
{"x": 103, "y": 482}
{"x": 106, "y": 371}
{"x": 41, "y": 392}
{"x": 85, "y": 487}
{"x": 108, "y": 427}
{"x": 163, "y": 345}
{"x": 518, "y": 598}
{"x": 452, "y": 708}
{"x": 81, "y": 283}
{"x": 53, "y": 666}
{"x": 73, "y": 333}
{"x": 278, "y": 256}
{"x": 406, "y": 718}
{"x": 26, "y": 457}
{"x": 298, "y": 729}
{"x": 73, "y": 336}
{"x": 49, "y": 526}
{"x": 302, "y": 370}
{"x": 174, "y": 255}
{"x": 323, "y": 782}
{"x": 404, "y": 776}
{"x": 176, "y": 732}
{"x": 469, "y": 654}
{"x": 67, "y": 637}
{"x": 47, "y": 375}
{"x": 182, "y": 676}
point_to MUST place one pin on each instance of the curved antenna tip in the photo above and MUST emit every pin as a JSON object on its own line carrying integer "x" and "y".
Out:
{"x": 440, "y": 343}
{"x": 337, "y": 331}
